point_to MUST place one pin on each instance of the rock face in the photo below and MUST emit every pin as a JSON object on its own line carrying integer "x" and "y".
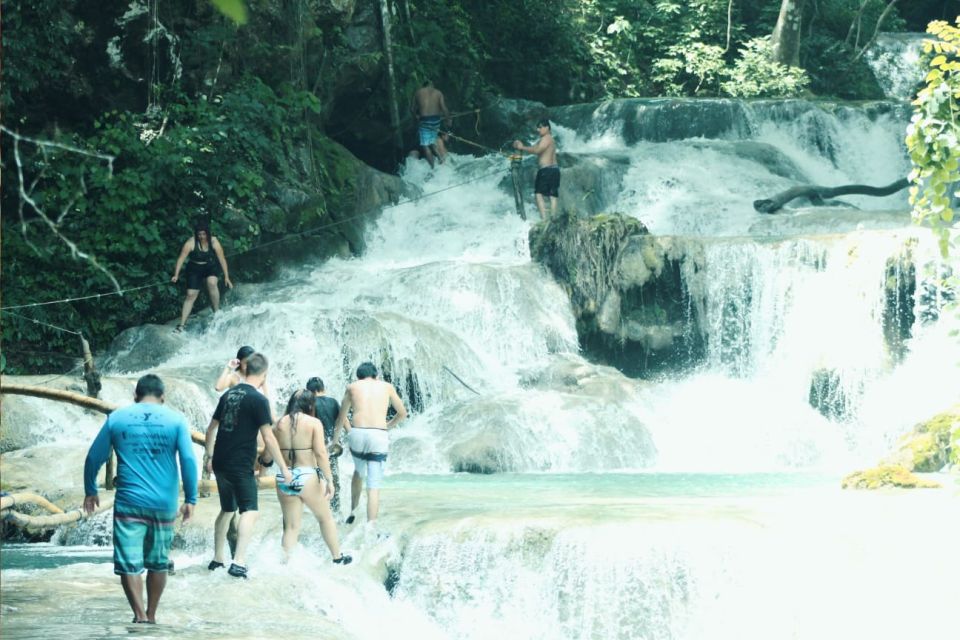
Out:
{"x": 142, "y": 347}
{"x": 327, "y": 228}
{"x": 590, "y": 184}
{"x": 500, "y": 122}
{"x": 626, "y": 290}
{"x": 932, "y": 445}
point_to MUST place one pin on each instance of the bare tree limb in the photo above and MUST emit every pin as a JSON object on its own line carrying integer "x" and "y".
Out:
{"x": 855, "y": 23}
{"x": 817, "y": 194}
{"x": 876, "y": 30}
{"x": 26, "y": 196}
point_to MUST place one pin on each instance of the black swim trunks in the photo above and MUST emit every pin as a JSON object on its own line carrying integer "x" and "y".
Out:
{"x": 237, "y": 491}
{"x": 548, "y": 181}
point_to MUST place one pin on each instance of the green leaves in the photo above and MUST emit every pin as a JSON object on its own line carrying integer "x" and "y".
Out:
{"x": 933, "y": 136}
{"x": 236, "y": 10}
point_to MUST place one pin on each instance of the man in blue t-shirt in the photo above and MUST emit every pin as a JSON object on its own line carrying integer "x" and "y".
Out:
{"x": 231, "y": 448}
{"x": 147, "y": 437}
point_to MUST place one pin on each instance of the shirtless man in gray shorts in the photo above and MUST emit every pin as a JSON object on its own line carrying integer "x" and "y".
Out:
{"x": 368, "y": 398}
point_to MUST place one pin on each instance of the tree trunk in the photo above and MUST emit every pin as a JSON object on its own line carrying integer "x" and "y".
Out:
{"x": 817, "y": 194}
{"x": 785, "y": 42}
{"x": 39, "y": 523}
{"x": 73, "y": 398}
{"x": 391, "y": 77}
{"x": 58, "y": 394}
{"x": 8, "y": 501}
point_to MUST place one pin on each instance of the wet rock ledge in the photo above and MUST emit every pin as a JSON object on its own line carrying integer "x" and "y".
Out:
{"x": 626, "y": 289}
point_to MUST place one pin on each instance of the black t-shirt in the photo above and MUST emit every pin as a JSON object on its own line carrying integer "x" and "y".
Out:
{"x": 241, "y": 412}
{"x": 327, "y": 411}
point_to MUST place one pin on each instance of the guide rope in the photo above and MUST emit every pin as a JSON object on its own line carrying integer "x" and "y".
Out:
{"x": 309, "y": 231}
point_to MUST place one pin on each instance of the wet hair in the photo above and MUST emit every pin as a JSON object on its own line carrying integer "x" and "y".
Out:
{"x": 315, "y": 384}
{"x": 149, "y": 385}
{"x": 257, "y": 364}
{"x": 202, "y": 225}
{"x": 366, "y": 370}
{"x": 543, "y": 122}
{"x": 302, "y": 401}
{"x": 245, "y": 352}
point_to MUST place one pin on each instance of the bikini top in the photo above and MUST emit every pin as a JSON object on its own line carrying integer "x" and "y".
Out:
{"x": 292, "y": 449}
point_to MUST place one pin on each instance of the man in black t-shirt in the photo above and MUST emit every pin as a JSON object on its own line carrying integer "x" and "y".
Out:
{"x": 327, "y": 410}
{"x": 231, "y": 448}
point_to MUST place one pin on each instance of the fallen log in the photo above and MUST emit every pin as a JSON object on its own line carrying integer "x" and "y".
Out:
{"x": 60, "y": 395}
{"x": 8, "y": 501}
{"x": 818, "y": 194}
{"x": 39, "y": 523}
{"x": 74, "y": 398}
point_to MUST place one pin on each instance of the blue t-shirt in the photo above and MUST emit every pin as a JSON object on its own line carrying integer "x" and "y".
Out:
{"x": 147, "y": 438}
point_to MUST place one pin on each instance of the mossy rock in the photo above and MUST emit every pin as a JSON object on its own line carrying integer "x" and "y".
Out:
{"x": 931, "y": 445}
{"x": 888, "y": 475}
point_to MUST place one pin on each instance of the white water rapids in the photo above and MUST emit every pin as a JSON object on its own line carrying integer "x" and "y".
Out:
{"x": 701, "y": 505}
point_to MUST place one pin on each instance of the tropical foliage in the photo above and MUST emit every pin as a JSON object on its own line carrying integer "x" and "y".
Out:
{"x": 933, "y": 137}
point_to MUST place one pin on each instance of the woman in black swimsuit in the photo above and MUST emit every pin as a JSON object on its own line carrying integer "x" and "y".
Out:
{"x": 204, "y": 252}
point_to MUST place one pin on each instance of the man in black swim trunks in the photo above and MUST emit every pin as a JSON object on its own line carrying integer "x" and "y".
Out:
{"x": 231, "y": 447}
{"x": 327, "y": 410}
{"x": 548, "y": 176}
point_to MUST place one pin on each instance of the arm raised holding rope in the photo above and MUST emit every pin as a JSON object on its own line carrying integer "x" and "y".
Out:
{"x": 548, "y": 175}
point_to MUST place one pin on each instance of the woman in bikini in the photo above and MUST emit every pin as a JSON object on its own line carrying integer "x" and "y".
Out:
{"x": 204, "y": 253}
{"x": 300, "y": 436}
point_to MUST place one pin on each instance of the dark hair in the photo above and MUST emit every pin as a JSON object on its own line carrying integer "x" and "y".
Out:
{"x": 366, "y": 370}
{"x": 198, "y": 226}
{"x": 257, "y": 364}
{"x": 245, "y": 352}
{"x": 149, "y": 385}
{"x": 543, "y": 122}
{"x": 427, "y": 82}
{"x": 302, "y": 401}
{"x": 315, "y": 384}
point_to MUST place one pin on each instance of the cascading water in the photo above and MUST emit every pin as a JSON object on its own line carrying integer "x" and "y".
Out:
{"x": 895, "y": 61}
{"x": 700, "y": 505}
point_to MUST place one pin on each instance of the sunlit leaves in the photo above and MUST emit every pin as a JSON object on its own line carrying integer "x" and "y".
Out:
{"x": 933, "y": 136}
{"x": 236, "y": 10}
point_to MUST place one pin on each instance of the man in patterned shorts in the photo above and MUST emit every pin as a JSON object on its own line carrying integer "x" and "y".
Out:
{"x": 147, "y": 437}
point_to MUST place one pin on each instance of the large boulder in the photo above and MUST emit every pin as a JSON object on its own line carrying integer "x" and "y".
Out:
{"x": 626, "y": 288}
{"x": 932, "y": 445}
{"x": 501, "y": 121}
{"x": 142, "y": 347}
{"x": 590, "y": 182}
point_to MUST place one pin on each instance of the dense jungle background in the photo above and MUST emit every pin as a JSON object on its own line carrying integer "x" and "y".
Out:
{"x": 266, "y": 116}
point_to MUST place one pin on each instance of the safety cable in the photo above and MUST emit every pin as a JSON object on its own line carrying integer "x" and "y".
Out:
{"x": 46, "y": 324}
{"x": 250, "y": 250}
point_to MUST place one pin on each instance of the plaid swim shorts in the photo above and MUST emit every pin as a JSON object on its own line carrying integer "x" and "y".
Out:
{"x": 141, "y": 539}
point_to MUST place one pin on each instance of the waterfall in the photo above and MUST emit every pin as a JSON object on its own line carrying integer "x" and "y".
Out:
{"x": 564, "y": 499}
{"x": 697, "y": 165}
{"x": 895, "y": 61}
{"x": 803, "y": 316}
